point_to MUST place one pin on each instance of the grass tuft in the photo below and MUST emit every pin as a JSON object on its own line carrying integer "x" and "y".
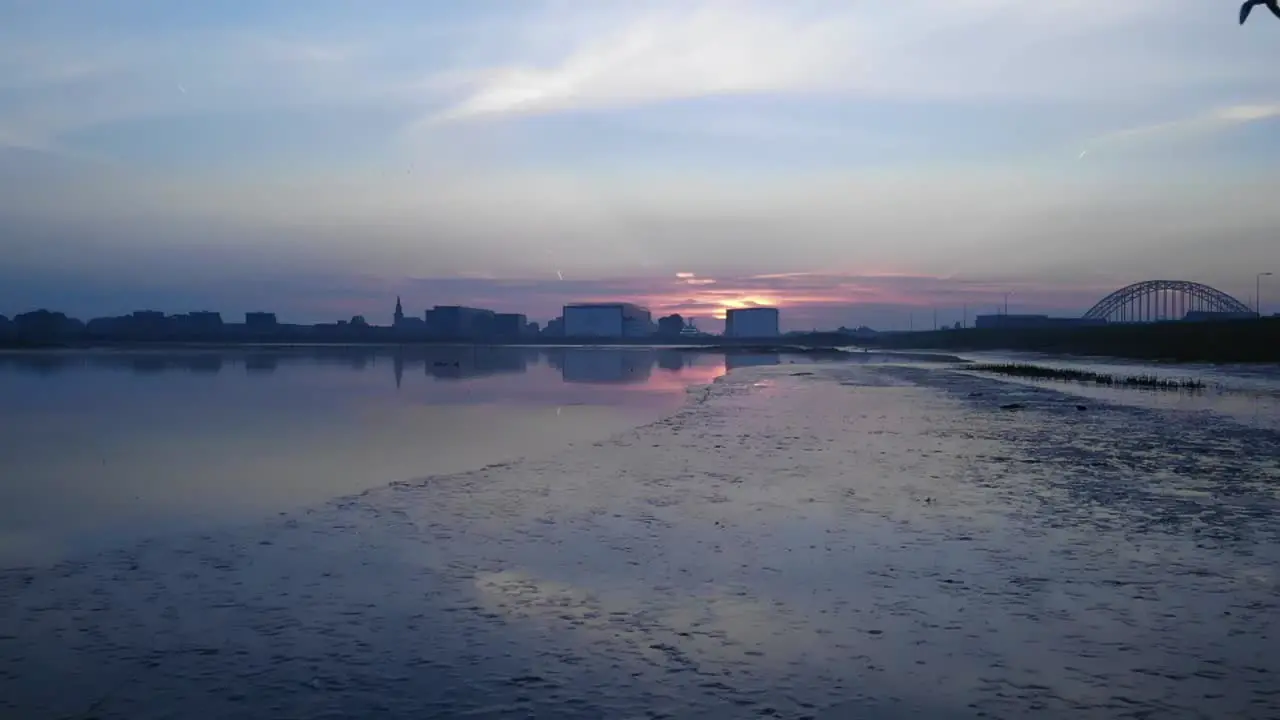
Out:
{"x": 1039, "y": 372}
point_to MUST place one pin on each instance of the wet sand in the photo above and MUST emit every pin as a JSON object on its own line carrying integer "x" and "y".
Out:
{"x": 842, "y": 541}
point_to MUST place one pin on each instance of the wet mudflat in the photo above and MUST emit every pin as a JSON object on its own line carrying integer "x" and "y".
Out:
{"x": 847, "y": 541}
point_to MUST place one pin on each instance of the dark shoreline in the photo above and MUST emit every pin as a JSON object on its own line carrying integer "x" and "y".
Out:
{"x": 1244, "y": 341}
{"x": 421, "y": 349}
{"x": 1240, "y": 341}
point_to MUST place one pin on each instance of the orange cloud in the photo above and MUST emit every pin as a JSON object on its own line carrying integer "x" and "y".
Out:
{"x": 807, "y": 299}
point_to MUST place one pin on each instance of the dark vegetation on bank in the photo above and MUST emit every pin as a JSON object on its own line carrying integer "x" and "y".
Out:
{"x": 753, "y": 346}
{"x": 1039, "y": 372}
{"x": 1213, "y": 342}
{"x": 1223, "y": 342}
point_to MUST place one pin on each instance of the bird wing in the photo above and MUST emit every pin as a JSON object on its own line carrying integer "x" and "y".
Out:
{"x": 1245, "y": 8}
{"x": 1274, "y": 7}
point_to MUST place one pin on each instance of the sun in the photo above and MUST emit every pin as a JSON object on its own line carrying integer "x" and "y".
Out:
{"x": 747, "y": 301}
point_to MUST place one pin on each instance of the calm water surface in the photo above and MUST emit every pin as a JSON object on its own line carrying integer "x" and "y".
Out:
{"x": 877, "y": 538}
{"x": 98, "y": 447}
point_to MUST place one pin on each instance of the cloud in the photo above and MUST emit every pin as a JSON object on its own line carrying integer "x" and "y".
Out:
{"x": 1216, "y": 120}
{"x": 552, "y": 57}
{"x": 81, "y": 78}
{"x": 746, "y": 143}
{"x": 806, "y": 299}
{"x": 911, "y": 48}
{"x": 702, "y": 49}
{"x": 689, "y": 278}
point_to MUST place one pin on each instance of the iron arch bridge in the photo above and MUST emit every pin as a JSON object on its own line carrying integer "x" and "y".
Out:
{"x": 1156, "y": 300}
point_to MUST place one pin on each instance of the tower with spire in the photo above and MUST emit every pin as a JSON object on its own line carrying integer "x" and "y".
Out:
{"x": 398, "y": 318}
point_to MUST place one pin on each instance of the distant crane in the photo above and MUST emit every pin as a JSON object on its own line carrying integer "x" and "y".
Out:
{"x": 1247, "y": 7}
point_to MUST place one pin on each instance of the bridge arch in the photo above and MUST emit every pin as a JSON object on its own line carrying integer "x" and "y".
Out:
{"x": 1155, "y": 300}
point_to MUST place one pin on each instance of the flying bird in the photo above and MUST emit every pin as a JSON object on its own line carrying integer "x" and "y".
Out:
{"x": 1272, "y": 5}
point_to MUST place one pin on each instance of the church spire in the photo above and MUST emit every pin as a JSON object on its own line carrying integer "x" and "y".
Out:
{"x": 399, "y": 316}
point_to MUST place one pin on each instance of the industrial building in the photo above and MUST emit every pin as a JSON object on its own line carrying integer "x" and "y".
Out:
{"x": 755, "y": 322}
{"x": 606, "y": 320}
{"x": 257, "y": 320}
{"x": 458, "y": 322}
{"x": 511, "y": 326}
{"x": 1024, "y": 322}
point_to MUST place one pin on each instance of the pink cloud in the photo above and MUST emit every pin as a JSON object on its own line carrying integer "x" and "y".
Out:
{"x": 807, "y": 300}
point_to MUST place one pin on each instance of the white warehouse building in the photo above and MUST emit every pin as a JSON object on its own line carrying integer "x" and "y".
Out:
{"x": 751, "y": 323}
{"x": 612, "y": 320}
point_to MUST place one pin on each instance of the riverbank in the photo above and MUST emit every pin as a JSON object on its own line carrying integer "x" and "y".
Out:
{"x": 1241, "y": 341}
{"x": 854, "y": 541}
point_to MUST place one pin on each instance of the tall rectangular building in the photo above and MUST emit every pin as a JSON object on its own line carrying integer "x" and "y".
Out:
{"x": 751, "y": 323}
{"x": 457, "y": 322}
{"x": 510, "y": 326}
{"x": 260, "y": 320}
{"x": 606, "y": 320}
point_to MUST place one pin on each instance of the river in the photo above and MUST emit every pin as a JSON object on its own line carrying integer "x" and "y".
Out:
{"x": 880, "y": 538}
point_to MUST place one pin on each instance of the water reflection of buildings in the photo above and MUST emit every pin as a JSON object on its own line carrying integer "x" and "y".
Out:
{"x": 468, "y": 361}
{"x": 441, "y": 363}
{"x": 261, "y": 364}
{"x": 462, "y": 362}
{"x": 39, "y": 363}
{"x": 210, "y": 364}
{"x": 147, "y": 362}
{"x": 604, "y": 365}
{"x": 674, "y": 360}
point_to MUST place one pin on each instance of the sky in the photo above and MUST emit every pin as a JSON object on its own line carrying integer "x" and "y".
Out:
{"x": 849, "y": 161}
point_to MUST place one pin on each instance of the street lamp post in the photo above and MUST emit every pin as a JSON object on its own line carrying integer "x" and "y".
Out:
{"x": 1257, "y": 292}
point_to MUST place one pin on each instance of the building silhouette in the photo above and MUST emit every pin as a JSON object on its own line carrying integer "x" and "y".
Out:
{"x": 458, "y": 322}
{"x": 46, "y": 325}
{"x": 756, "y": 322}
{"x": 606, "y": 320}
{"x": 407, "y": 327}
{"x": 511, "y": 326}
{"x": 258, "y": 321}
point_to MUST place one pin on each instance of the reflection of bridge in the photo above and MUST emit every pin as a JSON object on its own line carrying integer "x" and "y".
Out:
{"x": 1156, "y": 300}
